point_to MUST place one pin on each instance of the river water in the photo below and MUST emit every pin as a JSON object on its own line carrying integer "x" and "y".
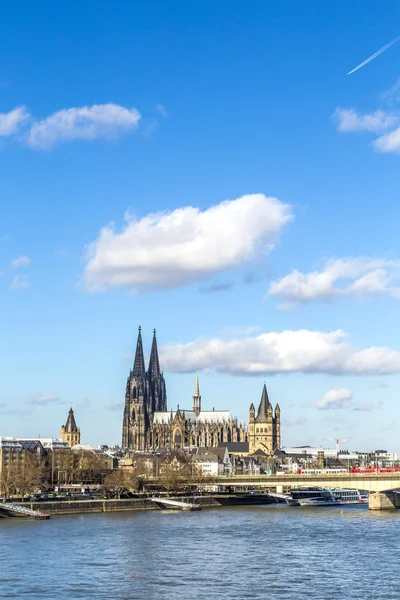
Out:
{"x": 265, "y": 553}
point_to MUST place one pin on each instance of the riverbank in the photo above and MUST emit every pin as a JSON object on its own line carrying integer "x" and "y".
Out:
{"x": 103, "y": 506}
{"x": 131, "y": 504}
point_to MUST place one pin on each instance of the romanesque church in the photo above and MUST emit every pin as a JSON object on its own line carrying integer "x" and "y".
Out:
{"x": 149, "y": 426}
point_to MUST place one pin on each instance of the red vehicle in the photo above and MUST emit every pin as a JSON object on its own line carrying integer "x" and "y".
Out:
{"x": 362, "y": 470}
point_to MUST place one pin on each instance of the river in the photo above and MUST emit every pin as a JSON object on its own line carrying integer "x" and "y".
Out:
{"x": 262, "y": 553}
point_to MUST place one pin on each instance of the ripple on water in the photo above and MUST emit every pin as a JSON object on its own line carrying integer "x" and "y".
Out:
{"x": 243, "y": 552}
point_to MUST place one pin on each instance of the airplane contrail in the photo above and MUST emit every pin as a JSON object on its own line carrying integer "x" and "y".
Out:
{"x": 375, "y": 55}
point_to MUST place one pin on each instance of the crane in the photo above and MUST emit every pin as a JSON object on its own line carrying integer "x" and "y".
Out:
{"x": 337, "y": 440}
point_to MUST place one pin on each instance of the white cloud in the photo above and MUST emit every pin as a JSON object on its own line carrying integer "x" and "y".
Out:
{"x": 162, "y": 110}
{"x": 117, "y": 405}
{"x": 390, "y": 142}
{"x": 20, "y": 282}
{"x": 165, "y": 250}
{"x": 21, "y": 261}
{"x": 301, "y": 351}
{"x": 335, "y": 399}
{"x": 392, "y": 95}
{"x": 45, "y": 399}
{"x": 87, "y": 122}
{"x": 363, "y": 277}
{"x": 385, "y": 122}
{"x": 11, "y": 122}
{"x": 369, "y": 407}
{"x": 350, "y": 120}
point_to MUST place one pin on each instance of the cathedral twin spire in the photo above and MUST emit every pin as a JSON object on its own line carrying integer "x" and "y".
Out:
{"x": 139, "y": 368}
{"x": 145, "y": 394}
{"x": 154, "y": 364}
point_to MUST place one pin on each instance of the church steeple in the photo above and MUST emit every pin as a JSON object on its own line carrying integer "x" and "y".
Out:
{"x": 138, "y": 365}
{"x": 70, "y": 425}
{"x": 264, "y": 406}
{"x": 196, "y": 398}
{"x": 70, "y": 433}
{"x": 154, "y": 364}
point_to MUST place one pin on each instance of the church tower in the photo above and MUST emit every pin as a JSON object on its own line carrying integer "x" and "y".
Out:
{"x": 70, "y": 433}
{"x": 265, "y": 428}
{"x": 156, "y": 380}
{"x": 251, "y": 427}
{"x": 145, "y": 394}
{"x": 277, "y": 423}
{"x": 196, "y": 398}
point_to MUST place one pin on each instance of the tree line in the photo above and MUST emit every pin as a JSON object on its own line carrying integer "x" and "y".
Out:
{"x": 32, "y": 473}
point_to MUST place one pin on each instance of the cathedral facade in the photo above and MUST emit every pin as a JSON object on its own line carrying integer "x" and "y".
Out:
{"x": 145, "y": 394}
{"x": 148, "y": 425}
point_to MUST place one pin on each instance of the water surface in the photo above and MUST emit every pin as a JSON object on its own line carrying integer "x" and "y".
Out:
{"x": 265, "y": 553}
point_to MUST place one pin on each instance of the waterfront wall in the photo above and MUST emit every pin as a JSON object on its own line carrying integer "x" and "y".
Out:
{"x": 97, "y": 506}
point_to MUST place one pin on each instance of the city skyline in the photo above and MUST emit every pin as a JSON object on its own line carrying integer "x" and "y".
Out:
{"x": 241, "y": 200}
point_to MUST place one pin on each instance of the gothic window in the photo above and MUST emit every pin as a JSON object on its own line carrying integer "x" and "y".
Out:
{"x": 134, "y": 393}
{"x": 178, "y": 439}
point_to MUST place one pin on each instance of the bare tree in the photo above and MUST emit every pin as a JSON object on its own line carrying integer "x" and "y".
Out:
{"x": 65, "y": 465}
{"x": 174, "y": 475}
{"x": 119, "y": 481}
{"x": 92, "y": 468}
{"x": 23, "y": 476}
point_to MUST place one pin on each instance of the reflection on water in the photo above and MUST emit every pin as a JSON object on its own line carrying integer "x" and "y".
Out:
{"x": 245, "y": 552}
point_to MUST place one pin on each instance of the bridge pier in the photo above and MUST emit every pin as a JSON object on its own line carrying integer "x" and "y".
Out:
{"x": 384, "y": 501}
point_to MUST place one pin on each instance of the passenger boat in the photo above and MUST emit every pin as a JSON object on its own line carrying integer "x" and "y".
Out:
{"x": 348, "y": 496}
{"x": 311, "y": 496}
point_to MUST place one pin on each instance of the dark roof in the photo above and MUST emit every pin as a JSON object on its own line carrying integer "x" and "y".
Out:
{"x": 263, "y": 407}
{"x": 169, "y": 455}
{"x": 280, "y": 454}
{"x": 217, "y": 451}
{"x": 31, "y": 445}
{"x": 212, "y": 457}
{"x": 334, "y": 462}
{"x": 301, "y": 456}
{"x": 70, "y": 425}
{"x": 235, "y": 446}
{"x": 259, "y": 452}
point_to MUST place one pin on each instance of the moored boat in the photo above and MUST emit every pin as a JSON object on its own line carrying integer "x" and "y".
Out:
{"x": 348, "y": 496}
{"x": 311, "y": 496}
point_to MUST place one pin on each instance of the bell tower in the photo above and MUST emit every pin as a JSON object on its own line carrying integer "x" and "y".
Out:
{"x": 70, "y": 433}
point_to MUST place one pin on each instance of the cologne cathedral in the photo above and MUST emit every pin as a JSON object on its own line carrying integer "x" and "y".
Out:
{"x": 148, "y": 425}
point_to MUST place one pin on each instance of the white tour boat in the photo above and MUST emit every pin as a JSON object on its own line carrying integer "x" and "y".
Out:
{"x": 348, "y": 496}
{"x": 311, "y": 496}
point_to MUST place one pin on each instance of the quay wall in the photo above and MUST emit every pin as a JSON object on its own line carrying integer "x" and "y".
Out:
{"x": 98, "y": 506}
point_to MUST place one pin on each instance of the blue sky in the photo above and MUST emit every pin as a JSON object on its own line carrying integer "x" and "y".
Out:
{"x": 112, "y": 113}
